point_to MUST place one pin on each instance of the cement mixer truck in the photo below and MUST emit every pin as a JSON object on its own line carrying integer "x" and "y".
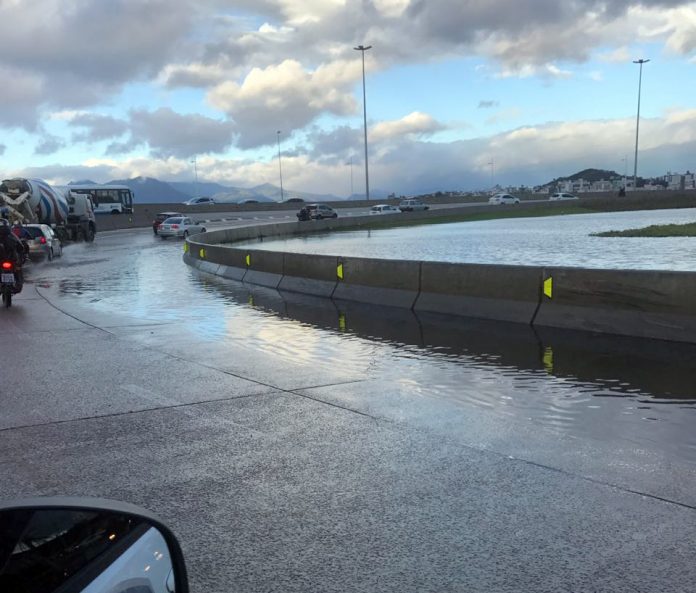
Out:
{"x": 34, "y": 201}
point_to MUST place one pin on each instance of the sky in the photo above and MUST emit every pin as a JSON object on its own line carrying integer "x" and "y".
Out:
{"x": 461, "y": 94}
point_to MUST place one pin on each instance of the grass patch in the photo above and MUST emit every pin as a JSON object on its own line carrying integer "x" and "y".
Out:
{"x": 656, "y": 230}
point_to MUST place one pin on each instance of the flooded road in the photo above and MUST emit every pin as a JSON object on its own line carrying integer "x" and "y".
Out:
{"x": 542, "y": 241}
{"x": 614, "y": 392}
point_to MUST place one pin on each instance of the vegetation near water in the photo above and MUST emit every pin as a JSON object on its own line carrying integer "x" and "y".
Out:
{"x": 657, "y": 230}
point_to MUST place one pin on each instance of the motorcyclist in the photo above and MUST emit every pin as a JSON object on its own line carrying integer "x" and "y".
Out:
{"x": 13, "y": 249}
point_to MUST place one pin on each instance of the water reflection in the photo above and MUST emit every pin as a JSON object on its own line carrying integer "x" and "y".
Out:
{"x": 605, "y": 366}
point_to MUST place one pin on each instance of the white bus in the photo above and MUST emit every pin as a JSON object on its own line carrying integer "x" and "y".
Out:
{"x": 107, "y": 199}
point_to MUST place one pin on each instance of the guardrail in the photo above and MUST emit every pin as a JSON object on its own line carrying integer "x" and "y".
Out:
{"x": 649, "y": 304}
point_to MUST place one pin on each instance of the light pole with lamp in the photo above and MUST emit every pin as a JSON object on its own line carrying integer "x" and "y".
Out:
{"x": 492, "y": 164}
{"x": 195, "y": 173}
{"x": 363, "y": 49}
{"x": 640, "y": 82}
{"x": 280, "y": 167}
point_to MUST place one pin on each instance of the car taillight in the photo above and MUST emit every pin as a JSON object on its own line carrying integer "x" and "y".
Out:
{"x": 42, "y": 240}
{"x": 7, "y": 265}
{"x": 175, "y": 226}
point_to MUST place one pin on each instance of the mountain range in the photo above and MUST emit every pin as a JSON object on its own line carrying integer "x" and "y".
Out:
{"x": 149, "y": 190}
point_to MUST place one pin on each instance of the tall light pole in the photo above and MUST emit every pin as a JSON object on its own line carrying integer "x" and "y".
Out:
{"x": 363, "y": 49}
{"x": 640, "y": 82}
{"x": 492, "y": 164}
{"x": 351, "y": 175}
{"x": 195, "y": 172}
{"x": 280, "y": 166}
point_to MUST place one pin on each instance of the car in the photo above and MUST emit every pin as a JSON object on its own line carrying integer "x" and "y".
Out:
{"x": 294, "y": 201}
{"x": 161, "y": 217}
{"x": 199, "y": 201}
{"x": 384, "y": 209}
{"x": 502, "y": 199}
{"x": 42, "y": 241}
{"x": 412, "y": 205}
{"x": 563, "y": 196}
{"x": 319, "y": 211}
{"x": 179, "y": 226}
{"x": 248, "y": 201}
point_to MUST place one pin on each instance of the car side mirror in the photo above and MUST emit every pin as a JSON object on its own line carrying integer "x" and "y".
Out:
{"x": 87, "y": 544}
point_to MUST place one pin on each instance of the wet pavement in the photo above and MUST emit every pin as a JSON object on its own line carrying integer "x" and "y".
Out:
{"x": 298, "y": 444}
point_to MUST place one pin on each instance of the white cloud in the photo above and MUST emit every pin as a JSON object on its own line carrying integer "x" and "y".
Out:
{"x": 416, "y": 123}
{"x": 286, "y": 97}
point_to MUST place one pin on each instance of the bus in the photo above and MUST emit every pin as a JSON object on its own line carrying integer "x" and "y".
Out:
{"x": 107, "y": 199}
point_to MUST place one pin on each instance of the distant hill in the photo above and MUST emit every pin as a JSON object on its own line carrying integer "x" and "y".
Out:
{"x": 590, "y": 175}
{"x": 148, "y": 190}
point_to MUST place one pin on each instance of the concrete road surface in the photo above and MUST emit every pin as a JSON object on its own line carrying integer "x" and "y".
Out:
{"x": 289, "y": 457}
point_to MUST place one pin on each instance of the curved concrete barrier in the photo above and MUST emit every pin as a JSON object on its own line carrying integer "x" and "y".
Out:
{"x": 650, "y": 304}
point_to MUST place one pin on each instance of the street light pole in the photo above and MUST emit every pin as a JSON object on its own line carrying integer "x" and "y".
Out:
{"x": 195, "y": 172}
{"x": 280, "y": 167}
{"x": 351, "y": 176}
{"x": 363, "y": 49}
{"x": 640, "y": 82}
{"x": 492, "y": 164}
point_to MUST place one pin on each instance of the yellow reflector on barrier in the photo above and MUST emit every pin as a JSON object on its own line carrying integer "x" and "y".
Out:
{"x": 339, "y": 271}
{"x": 547, "y": 360}
{"x": 201, "y": 253}
{"x": 248, "y": 260}
{"x": 186, "y": 247}
{"x": 342, "y": 321}
{"x": 548, "y": 287}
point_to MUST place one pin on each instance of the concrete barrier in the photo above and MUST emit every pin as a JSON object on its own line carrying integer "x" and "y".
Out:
{"x": 309, "y": 274}
{"x": 506, "y": 293}
{"x": 649, "y": 304}
{"x": 643, "y": 303}
{"x": 264, "y": 268}
{"x": 378, "y": 281}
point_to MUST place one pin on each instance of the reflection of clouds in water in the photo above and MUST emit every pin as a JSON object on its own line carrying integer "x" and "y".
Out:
{"x": 552, "y": 241}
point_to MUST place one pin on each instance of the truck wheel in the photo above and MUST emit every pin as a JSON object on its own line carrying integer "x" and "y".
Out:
{"x": 50, "y": 254}
{"x": 89, "y": 234}
{"x": 7, "y": 297}
{"x": 115, "y": 212}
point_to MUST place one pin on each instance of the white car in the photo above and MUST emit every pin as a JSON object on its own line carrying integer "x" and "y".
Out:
{"x": 563, "y": 196}
{"x": 384, "y": 209}
{"x": 412, "y": 205}
{"x": 503, "y": 199}
{"x": 42, "y": 241}
{"x": 199, "y": 201}
{"x": 179, "y": 226}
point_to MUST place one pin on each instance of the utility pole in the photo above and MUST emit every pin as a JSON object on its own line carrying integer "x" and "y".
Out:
{"x": 640, "y": 82}
{"x": 363, "y": 49}
{"x": 195, "y": 172}
{"x": 280, "y": 167}
{"x": 492, "y": 164}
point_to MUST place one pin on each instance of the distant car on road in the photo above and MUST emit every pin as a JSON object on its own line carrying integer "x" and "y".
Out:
{"x": 199, "y": 201}
{"x": 179, "y": 226}
{"x": 412, "y": 205}
{"x": 161, "y": 217}
{"x": 294, "y": 201}
{"x": 42, "y": 241}
{"x": 502, "y": 199}
{"x": 248, "y": 201}
{"x": 563, "y": 196}
{"x": 319, "y": 211}
{"x": 384, "y": 209}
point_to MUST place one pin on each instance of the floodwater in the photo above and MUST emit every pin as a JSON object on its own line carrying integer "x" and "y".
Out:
{"x": 621, "y": 391}
{"x": 546, "y": 241}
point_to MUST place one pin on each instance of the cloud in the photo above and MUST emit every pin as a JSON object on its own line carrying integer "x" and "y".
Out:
{"x": 170, "y": 134}
{"x": 49, "y": 145}
{"x": 488, "y": 104}
{"x": 286, "y": 97}
{"x": 97, "y": 127}
{"x": 3, "y": 148}
{"x": 413, "y": 124}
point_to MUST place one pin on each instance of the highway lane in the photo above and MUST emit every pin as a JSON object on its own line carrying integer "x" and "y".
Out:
{"x": 295, "y": 445}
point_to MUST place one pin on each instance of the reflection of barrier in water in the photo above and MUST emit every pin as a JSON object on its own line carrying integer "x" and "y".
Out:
{"x": 613, "y": 365}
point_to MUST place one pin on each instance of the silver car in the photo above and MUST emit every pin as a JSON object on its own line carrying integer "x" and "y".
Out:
{"x": 42, "y": 241}
{"x": 384, "y": 209}
{"x": 179, "y": 226}
{"x": 502, "y": 199}
{"x": 412, "y": 205}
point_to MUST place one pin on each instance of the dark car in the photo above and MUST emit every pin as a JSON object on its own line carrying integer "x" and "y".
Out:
{"x": 161, "y": 217}
{"x": 320, "y": 211}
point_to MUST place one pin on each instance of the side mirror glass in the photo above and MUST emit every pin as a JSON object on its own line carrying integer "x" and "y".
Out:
{"x": 87, "y": 545}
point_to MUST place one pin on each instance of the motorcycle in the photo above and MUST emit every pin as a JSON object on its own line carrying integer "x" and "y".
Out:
{"x": 9, "y": 281}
